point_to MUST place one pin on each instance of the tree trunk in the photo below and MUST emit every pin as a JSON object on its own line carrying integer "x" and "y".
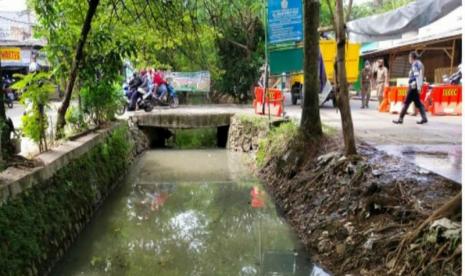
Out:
{"x": 43, "y": 128}
{"x": 342, "y": 86}
{"x": 310, "y": 123}
{"x": 75, "y": 67}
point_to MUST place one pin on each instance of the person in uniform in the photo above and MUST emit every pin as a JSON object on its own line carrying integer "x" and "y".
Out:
{"x": 366, "y": 84}
{"x": 413, "y": 95}
{"x": 382, "y": 79}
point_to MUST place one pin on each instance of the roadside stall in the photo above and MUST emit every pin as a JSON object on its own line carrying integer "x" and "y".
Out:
{"x": 438, "y": 44}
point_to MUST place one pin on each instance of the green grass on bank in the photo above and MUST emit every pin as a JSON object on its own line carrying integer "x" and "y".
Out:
{"x": 281, "y": 138}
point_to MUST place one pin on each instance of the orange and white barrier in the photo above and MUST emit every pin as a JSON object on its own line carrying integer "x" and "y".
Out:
{"x": 397, "y": 97}
{"x": 402, "y": 92}
{"x": 447, "y": 100}
{"x": 384, "y": 105}
{"x": 275, "y": 99}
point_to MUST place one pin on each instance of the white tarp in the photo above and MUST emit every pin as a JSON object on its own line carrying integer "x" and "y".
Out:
{"x": 393, "y": 24}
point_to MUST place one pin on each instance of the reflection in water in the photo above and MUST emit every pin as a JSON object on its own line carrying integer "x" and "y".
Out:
{"x": 219, "y": 223}
{"x": 258, "y": 197}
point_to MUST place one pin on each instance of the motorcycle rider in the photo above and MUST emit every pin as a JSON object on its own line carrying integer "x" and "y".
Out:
{"x": 160, "y": 84}
{"x": 134, "y": 83}
{"x": 141, "y": 86}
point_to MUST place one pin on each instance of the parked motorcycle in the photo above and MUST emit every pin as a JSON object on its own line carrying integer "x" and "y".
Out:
{"x": 455, "y": 78}
{"x": 9, "y": 98}
{"x": 9, "y": 95}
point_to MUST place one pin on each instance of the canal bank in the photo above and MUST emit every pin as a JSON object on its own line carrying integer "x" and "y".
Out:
{"x": 45, "y": 207}
{"x": 372, "y": 214}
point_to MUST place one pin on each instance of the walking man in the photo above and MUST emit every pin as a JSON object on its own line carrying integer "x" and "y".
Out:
{"x": 366, "y": 84}
{"x": 413, "y": 95}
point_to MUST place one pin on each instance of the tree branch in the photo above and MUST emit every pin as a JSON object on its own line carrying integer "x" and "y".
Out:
{"x": 333, "y": 19}
{"x": 238, "y": 44}
{"x": 349, "y": 10}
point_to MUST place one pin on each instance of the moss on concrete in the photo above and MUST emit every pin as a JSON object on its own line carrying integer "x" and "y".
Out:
{"x": 38, "y": 225}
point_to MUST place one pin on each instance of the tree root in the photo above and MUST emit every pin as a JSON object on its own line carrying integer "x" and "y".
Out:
{"x": 446, "y": 210}
{"x": 434, "y": 260}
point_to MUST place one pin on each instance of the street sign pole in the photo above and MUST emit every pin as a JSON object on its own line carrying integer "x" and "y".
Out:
{"x": 265, "y": 94}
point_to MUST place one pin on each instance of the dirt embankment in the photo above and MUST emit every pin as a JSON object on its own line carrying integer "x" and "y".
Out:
{"x": 359, "y": 215}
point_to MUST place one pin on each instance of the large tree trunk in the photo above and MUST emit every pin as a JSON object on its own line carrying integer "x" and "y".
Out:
{"x": 343, "y": 89}
{"x": 311, "y": 123}
{"x": 75, "y": 67}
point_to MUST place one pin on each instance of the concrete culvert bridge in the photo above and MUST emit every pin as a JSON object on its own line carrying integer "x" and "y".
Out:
{"x": 159, "y": 127}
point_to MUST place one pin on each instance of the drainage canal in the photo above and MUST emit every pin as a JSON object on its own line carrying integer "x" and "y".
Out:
{"x": 187, "y": 212}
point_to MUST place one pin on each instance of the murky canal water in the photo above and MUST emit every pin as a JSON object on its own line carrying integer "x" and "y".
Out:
{"x": 196, "y": 212}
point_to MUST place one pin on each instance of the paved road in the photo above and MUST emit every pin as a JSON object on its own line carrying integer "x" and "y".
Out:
{"x": 377, "y": 128}
{"x": 436, "y": 146}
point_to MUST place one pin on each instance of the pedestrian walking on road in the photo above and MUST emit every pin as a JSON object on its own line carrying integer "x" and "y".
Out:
{"x": 415, "y": 81}
{"x": 366, "y": 84}
{"x": 382, "y": 79}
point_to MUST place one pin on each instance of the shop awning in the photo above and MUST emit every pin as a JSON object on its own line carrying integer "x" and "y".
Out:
{"x": 393, "y": 24}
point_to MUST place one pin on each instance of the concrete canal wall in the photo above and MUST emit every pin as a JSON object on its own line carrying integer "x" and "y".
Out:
{"x": 43, "y": 209}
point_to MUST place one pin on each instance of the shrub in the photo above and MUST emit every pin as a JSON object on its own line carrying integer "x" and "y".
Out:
{"x": 75, "y": 118}
{"x": 37, "y": 88}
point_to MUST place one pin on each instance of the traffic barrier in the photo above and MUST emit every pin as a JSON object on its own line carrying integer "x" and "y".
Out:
{"x": 398, "y": 103}
{"x": 275, "y": 99}
{"x": 425, "y": 96}
{"x": 401, "y": 94}
{"x": 384, "y": 105}
{"x": 393, "y": 104}
{"x": 424, "y": 92}
{"x": 447, "y": 100}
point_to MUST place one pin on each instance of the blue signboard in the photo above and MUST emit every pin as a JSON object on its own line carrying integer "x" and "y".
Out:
{"x": 284, "y": 21}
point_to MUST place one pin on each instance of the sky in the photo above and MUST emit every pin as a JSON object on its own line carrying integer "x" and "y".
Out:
{"x": 12, "y": 5}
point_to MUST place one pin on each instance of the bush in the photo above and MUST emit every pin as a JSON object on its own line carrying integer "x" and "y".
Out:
{"x": 37, "y": 88}
{"x": 75, "y": 118}
{"x": 101, "y": 101}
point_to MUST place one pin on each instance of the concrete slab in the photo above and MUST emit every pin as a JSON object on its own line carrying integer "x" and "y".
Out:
{"x": 15, "y": 180}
